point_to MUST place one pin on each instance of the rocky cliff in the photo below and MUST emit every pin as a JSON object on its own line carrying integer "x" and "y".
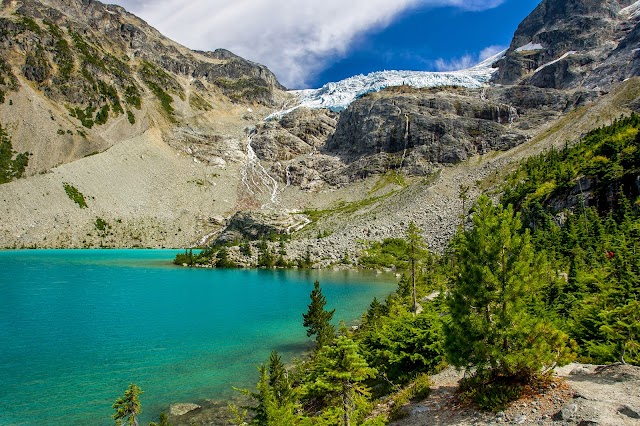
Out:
{"x": 573, "y": 43}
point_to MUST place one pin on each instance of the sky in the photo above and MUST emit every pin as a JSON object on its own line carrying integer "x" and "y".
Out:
{"x": 308, "y": 43}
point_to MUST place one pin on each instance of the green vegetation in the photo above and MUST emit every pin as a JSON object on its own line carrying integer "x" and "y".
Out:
{"x": 243, "y": 89}
{"x": 197, "y": 102}
{"x": 317, "y": 321}
{"x": 63, "y": 57}
{"x": 90, "y": 54}
{"x": 132, "y": 96}
{"x": 595, "y": 243}
{"x": 75, "y": 195}
{"x": 160, "y": 83}
{"x": 497, "y": 323}
{"x": 131, "y": 117}
{"x": 12, "y": 165}
{"x": 31, "y": 25}
{"x": 128, "y": 406}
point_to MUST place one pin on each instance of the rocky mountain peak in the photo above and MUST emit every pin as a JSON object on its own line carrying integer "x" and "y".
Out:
{"x": 565, "y": 44}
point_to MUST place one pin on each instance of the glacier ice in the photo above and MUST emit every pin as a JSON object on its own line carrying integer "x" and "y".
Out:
{"x": 339, "y": 95}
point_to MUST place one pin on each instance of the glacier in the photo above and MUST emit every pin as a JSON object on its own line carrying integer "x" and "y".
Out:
{"x": 337, "y": 96}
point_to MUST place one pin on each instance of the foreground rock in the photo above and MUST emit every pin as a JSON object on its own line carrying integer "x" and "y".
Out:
{"x": 181, "y": 409}
{"x": 583, "y": 395}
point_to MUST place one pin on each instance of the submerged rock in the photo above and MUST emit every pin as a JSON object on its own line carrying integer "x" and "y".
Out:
{"x": 180, "y": 409}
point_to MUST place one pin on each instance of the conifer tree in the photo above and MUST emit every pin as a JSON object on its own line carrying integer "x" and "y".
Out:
{"x": 128, "y": 406}
{"x": 318, "y": 321}
{"x": 497, "y": 282}
{"x": 279, "y": 380}
{"x": 340, "y": 371}
{"x": 416, "y": 249}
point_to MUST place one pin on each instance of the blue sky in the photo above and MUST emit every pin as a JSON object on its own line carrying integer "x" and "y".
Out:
{"x": 310, "y": 42}
{"x": 431, "y": 39}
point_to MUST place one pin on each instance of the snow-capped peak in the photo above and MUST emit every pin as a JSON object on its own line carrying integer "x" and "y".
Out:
{"x": 339, "y": 95}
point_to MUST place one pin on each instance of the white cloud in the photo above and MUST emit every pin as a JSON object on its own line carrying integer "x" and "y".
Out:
{"x": 467, "y": 61}
{"x": 490, "y": 51}
{"x": 294, "y": 38}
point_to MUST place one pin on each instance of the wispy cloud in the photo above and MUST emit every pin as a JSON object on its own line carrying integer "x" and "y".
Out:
{"x": 294, "y": 38}
{"x": 467, "y": 61}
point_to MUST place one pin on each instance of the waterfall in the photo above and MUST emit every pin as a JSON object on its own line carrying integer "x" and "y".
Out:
{"x": 256, "y": 178}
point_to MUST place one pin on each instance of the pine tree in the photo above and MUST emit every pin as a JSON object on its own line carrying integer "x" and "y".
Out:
{"x": 279, "y": 380}
{"x": 317, "y": 321}
{"x": 128, "y": 406}
{"x": 497, "y": 281}
{"x": 275, "y": 397}
{"x": 416, "y": 249}
{"x": 340, "y": 371}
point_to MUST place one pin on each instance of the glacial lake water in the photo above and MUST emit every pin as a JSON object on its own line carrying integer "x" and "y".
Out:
{"x": 77, "y": 326}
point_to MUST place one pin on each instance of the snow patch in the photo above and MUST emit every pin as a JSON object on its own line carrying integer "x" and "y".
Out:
{"x": 631, "y": 12}
{"x": 569, "y": 53}
{"x": 339, "y": 95}
{"x": 529, "y": 46}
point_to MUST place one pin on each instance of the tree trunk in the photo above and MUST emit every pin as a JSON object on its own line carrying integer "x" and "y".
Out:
{"x": 345, "y": 407}
{"x": 413, "y": 285}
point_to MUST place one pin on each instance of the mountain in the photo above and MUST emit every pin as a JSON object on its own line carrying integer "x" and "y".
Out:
{"x": 134, "y": 140}
{"x": 574, "y": 43}
{"x": 86, "y": 75}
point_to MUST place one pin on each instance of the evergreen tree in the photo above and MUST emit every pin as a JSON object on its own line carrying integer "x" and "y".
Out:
{"x": 415, "y": 250}
{"x": 163, "y": 420}
{"x": 495, "y": 287}
{"x": 275, "y": 398}
{"x": 317, "y": 321}
{"x": 279, "y": 380}
{"x": 128, "y": 406}
{"x": 340, "y": 370}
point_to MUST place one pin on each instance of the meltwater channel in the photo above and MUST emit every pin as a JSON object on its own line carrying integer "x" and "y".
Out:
{"x": 77, "y": 326}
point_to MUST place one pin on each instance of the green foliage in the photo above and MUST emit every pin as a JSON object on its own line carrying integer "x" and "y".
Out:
{"x": 85, "y": 116}
{"x": 494, "y": 324}
{"x": 266, "y": 259}
{"x": 160, "y": 82}
{"x": 403, "y": 345}
{"x": 132, "y": 96}
{"x": 197, "y": 102}
{"x": 12, "y": 165}
{"x": 90, "y": 54}
{"x": 128, "y": 406}
{"x": 306, "y": 262}
{"x": 103, "y": 115}
{"x": 338, "y": 376}
{"x": 163, "y": 420}
{"x": 389, "y": 253}
{"x": 31, "y": 25}
{"x": 131, "y": 117}
{"x": 416, "y": 249}
{"x": 75, "y": 195}
{"x": 276, "y": 400}
{"x": 63, "y": 57}
{"x": 317, "y": 320}
{"x": 223, "y": 259}
{"x": 595, "y": 243}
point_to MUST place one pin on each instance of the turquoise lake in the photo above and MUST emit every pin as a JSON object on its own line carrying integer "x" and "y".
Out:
{"x": 77, "y": 326}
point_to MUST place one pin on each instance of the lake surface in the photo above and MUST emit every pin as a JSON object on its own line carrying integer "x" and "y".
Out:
{"x": 77, "y": 326}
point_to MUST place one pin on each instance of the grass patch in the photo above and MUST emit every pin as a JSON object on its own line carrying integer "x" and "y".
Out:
{"x": 391, "y": 177}
{"x": 75, "y": 195}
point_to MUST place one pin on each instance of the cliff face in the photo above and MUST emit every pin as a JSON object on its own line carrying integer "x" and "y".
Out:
{"x": 572, "y": 43}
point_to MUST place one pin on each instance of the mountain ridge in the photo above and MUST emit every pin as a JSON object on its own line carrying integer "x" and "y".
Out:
{"x": 204, "y": 136}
